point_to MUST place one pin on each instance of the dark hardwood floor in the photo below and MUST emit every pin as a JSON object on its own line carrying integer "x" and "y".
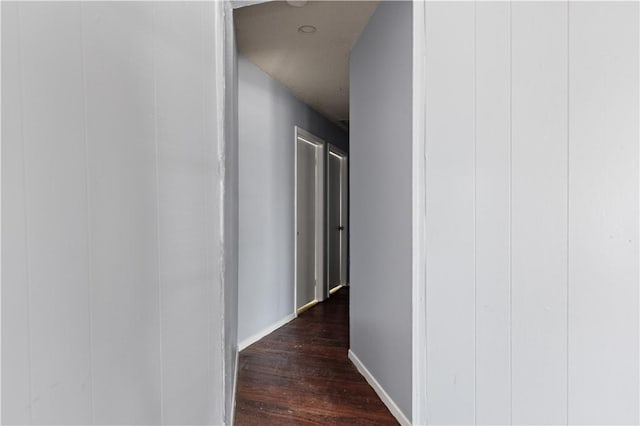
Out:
{"x": 300, "y": 374}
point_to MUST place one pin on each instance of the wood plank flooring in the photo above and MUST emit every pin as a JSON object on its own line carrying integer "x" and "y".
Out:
{"x": 300, "y": 374}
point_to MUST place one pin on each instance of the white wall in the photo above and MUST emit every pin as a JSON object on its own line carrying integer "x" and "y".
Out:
{"x": 267, "y": 115}
{"x": 532, "y": 213}
{"x": 381, "y": 200}
{"x": 112, "y": 281}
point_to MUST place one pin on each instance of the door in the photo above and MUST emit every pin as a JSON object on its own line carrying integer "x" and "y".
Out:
{"x": 337, "y": 219}
{"x": 309, "y": 219}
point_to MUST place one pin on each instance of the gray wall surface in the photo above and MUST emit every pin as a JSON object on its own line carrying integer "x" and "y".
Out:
{"x": 268, "y": 113}
{"x": 381, "y": 158}
{"x": 112, "y": 251}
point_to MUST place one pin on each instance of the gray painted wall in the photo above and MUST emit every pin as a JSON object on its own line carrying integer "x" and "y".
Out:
{"x": 267, "y": 116}
{"x": 381, "y": 141}
{"x": 112, "y": 250}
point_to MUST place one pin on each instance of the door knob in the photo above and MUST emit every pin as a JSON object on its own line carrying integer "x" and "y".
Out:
{"x": 340, "y": 228}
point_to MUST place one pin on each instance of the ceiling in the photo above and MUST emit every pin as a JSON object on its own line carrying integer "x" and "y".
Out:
{"x": 314, "y": 67}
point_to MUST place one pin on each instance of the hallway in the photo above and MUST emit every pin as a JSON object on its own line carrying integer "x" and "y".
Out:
{"x": 300, "y": 374}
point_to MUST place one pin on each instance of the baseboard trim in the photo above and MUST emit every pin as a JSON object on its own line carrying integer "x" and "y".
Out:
{"x": 259, "y": 335}
{"x": 306, "y": 307}
{"x": 386, "y": 399}
{"x": 336, "y": 288}
{"x": 234, "y": 390}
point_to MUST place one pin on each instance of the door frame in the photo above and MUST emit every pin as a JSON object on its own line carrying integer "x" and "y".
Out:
{"x": 419, "y": 399}
{"x": 226, "y": 85}
{"x": 332, "y": 149}
{"x": 308, "y": 137}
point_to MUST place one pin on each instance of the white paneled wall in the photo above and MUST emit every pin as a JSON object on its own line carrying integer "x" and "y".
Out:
{"x": 112, "y": 308}
{"x": 539, "y": 105}
{"x": 121, "y": 163}
{"x": 185, "y": 178}
{"x": 603, "y": 214}
{"x": 32, "y": 198}
{"x": 14, "y": 268}
{"x": 450, "y": 205}
{"x": 532, "y": 141}
{"x": 492, "y": 192}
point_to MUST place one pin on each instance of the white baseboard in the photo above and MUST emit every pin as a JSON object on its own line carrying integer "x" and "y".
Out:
{"x": 259, "y": 335}
{"x": 386, "y": 399}
{"x": 234, "y": 390}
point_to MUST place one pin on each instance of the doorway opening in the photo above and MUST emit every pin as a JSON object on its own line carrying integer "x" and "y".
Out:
{"x": 292, "y": 83}
{"x": 321, "y": 238}
{"x": 309, "y": 188}
{"x": 337, "y": 219}
{"x": 298, "y": 64}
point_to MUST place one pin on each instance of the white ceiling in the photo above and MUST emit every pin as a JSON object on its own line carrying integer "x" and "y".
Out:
{"x": 315, "y": 67}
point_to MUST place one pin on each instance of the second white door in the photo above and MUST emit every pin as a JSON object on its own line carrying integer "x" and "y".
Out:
{"x": 337, "y": 218}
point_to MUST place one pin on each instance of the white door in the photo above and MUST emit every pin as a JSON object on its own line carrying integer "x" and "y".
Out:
{"x": 309, "y": 218}
{"x": 337, "y": 219}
